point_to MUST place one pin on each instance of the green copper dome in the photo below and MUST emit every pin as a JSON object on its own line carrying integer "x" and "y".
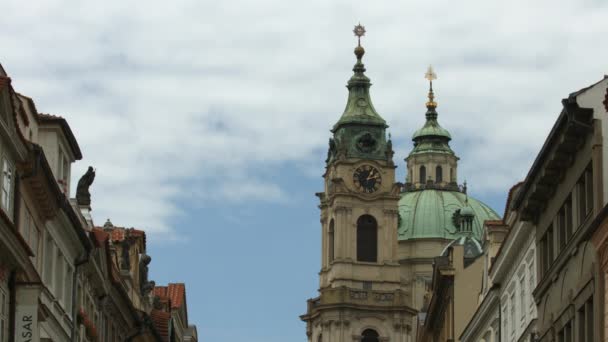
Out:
{"x": 431, "y": 138}
{"x": 435, "y": 214}
{"x": 432, "y": 128}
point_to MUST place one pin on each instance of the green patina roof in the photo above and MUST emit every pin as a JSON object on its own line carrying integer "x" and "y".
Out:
{"x": 428, "y": 214}
{"x": 431, "y": 137}
{"x": 432, "y": 128}
{"x": 359, "y": 108}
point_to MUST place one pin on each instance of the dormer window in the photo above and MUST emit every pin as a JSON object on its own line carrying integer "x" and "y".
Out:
{"x": 7, "y": 185}
{"x": 63, "y": 171}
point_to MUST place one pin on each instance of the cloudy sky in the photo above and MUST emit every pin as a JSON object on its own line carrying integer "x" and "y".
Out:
{"x": 208, "y": 121}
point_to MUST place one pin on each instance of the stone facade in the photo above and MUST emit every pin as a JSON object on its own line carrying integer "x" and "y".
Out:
{"x": 455, "y": 286}
{"x": 548, "y": 280}
{"x": 62, "y": 278}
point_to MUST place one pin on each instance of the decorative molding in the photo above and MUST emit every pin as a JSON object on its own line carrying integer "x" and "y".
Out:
{"x": 384, "y": 297}
{"x": 391, "y": 212}
{"x": 362, "y": 295}
{"x": 341, "y": 209}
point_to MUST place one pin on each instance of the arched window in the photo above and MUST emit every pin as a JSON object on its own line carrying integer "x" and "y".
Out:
{"x": 438, "y": 174}
{"x": 370, "y": 335}
{"x": 423, "y": 174}
{"x": 331, "y": 240}
{"x": 367, "y": 239}
{"x": 451, "y": 175}
{"x": 320, "y": 338}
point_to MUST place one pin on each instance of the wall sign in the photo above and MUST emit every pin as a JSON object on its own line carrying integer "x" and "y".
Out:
{"x": 26, "y": 314}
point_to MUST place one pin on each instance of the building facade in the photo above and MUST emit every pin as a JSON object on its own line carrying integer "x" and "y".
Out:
{"x": 62, "y": 278}
{"x": 548, "y": 282}
{"x": 560, "y": 199}
{"x": 506, "y": 310}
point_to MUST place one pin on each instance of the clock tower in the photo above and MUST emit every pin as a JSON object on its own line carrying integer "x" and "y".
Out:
{"x": 362, "y": 297}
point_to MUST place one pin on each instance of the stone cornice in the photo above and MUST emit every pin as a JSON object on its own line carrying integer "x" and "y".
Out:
{"x": 572, "y": 128}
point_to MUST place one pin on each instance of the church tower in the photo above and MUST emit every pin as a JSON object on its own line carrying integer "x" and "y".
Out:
{"x": 361, "y": 296}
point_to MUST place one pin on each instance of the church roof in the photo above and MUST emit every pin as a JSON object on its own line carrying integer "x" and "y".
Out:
{"x": 431, "y": 137}
{"x": 431, "y": 214}
{"x": 359, "y": 108}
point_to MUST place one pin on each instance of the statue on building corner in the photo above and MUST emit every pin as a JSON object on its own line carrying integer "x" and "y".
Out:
{"x": 83, "y": 196}
{"x": 145, "y": 285}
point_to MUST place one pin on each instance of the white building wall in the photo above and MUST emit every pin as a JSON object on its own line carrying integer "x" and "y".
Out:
{"x": 517, "y": 303}
{"x": 594, "y": 98}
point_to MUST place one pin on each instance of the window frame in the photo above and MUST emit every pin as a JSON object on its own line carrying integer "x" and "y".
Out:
{"x": 7, "y": 185}
{"x": 367, "y": 239}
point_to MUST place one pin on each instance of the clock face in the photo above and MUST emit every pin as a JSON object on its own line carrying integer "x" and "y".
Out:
{"x": 367, "y": 178}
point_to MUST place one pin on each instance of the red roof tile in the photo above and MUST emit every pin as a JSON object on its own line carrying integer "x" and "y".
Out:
{"x": 100, "y": 237}
{"x": 161, "y": 322}
{"x": 119, "y": 233}
{"x": 175, "y": 293}
{"x": 160, "y": 291}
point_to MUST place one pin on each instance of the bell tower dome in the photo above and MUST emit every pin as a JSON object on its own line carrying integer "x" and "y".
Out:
{"x": 431, "y": 163}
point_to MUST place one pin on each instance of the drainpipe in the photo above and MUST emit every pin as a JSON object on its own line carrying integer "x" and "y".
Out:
{"x": 84, "y": 258}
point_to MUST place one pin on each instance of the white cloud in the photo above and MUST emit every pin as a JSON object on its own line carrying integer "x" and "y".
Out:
{"x": 165, "y": 94}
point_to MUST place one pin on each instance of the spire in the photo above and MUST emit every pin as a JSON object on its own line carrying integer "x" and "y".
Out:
{"x": 431, "y": 128}
{"x": 430, "y": 75}
{"x": 359, "y": 108}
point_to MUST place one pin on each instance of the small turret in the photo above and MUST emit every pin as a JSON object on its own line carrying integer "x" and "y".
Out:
{"x": 431, "y": 164}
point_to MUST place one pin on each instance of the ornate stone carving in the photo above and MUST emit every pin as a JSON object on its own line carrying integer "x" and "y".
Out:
{"x": 384, "y": 297}
{"x": 145, "y": 286}
{"x": 360, "y": 295}
{"x": 337, "y": 185}
{"x": 83, "y": 196}
{"x": 391, "y": 212}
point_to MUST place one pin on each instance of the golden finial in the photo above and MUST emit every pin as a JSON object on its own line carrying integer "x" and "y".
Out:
{"x": 431, "y": 75}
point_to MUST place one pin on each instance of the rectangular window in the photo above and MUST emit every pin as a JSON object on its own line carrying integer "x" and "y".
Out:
{"x": 565, "y": 334}
{"x": 561, "y": 227}
{"x": 589, "y": 190}
{"x": 59, "y": 275}
{"x": 49, "y": 257}
{"x": 7, "y": 185}
{"x": 585, "y": 321}
{"x": 564, "y": 223}
{"x": 505, "y": 321}
{"x": 585, "y": 195}
{"x": 546, "y": 250}
{"x": 522, "y": 297}
{"x": 67, "y": 295}
{"x": 589, "y": 318}
{"x": 512, "y": 313}
{"x": 532, "y": 280}
{"x": 544, "y": 254}
{"x": 568, "y": 218}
